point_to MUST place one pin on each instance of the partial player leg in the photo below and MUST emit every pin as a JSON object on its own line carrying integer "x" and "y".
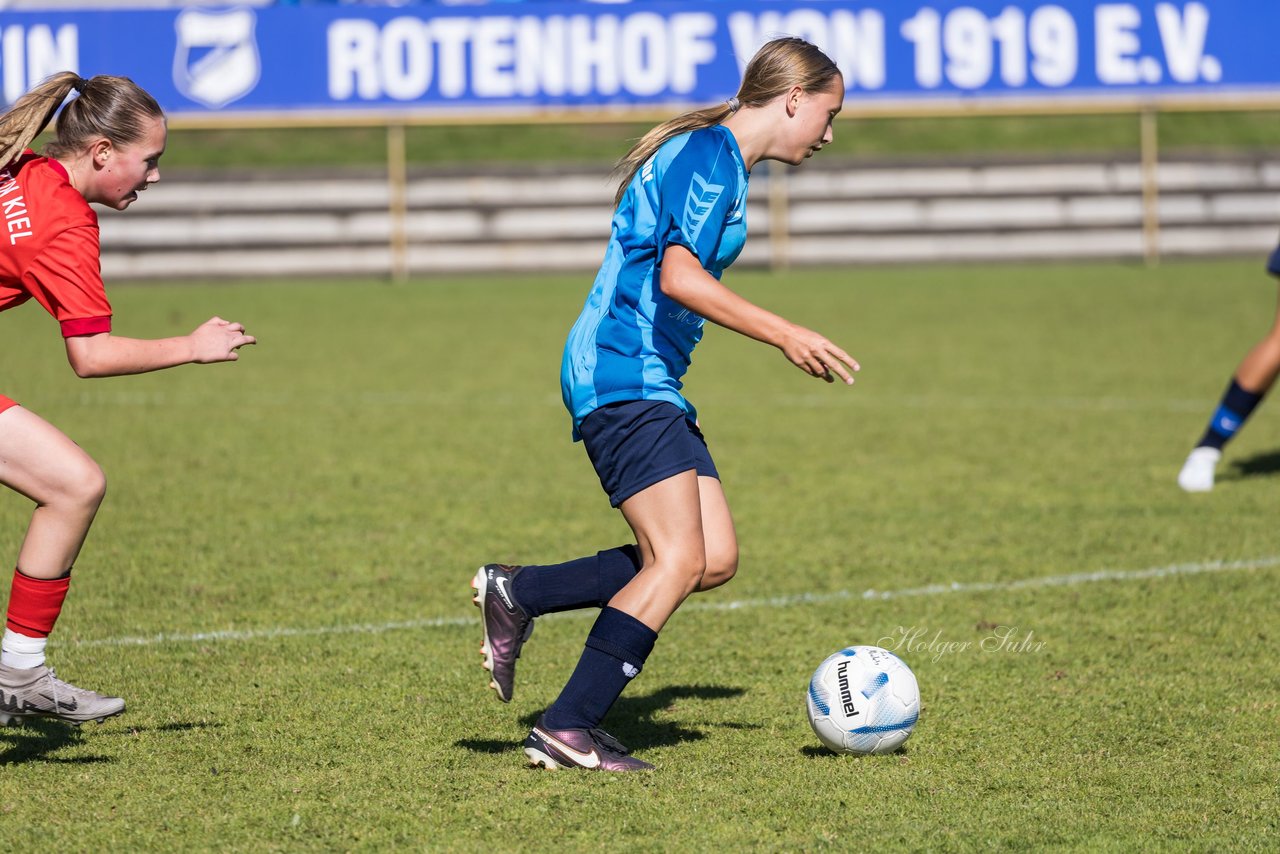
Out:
{"x": 1252, "y": 380}
{"x": 510, "y": 597}
{"x": 40, "y": 462}
{"x": 587, "y": 582}
{"x": 718, "y": 535}
{"x": 67, "y": 486}
{"x": 667, "y": 521}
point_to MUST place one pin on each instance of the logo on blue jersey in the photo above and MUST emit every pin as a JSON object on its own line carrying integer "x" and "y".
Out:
{"x": 735, "y": 212}
{"x": 702, "y": 197}
{"x": 685, "y": 316}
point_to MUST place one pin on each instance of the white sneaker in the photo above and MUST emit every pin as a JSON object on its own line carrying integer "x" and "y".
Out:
{"x": 1197, "y": 471}
{"x": 38, "y": 692}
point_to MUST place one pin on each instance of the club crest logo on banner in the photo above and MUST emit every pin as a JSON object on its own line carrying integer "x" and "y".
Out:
{"x": 216, "y": 59}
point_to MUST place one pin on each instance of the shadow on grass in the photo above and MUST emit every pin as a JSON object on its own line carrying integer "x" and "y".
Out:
{"x": 180, "y": 726}
{"x": 1259, "y": 465}
{"x": 814, "y": 752}
{"x": 632, "y": 721}
{"x": 34, "y": 740}
{"x": 485, "y": 745}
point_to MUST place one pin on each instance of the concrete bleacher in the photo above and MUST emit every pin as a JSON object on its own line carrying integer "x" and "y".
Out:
{"x": 824, "y": 213}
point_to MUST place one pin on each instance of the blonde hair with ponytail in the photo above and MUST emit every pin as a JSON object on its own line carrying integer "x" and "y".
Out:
{"x": 112, "y": 107}
{"x": 777, "y": 67}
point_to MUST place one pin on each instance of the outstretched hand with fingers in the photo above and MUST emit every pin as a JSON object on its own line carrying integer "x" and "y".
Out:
{"x": 817, "y": 356}
{"x": 217, "y": 340}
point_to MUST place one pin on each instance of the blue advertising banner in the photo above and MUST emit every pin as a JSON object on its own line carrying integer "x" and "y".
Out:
{"x": 566, "y": 55}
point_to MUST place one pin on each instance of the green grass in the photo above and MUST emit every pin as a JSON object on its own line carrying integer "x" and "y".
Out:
{"x": 1010, "y": 423}
{"x": 602, "y": 144}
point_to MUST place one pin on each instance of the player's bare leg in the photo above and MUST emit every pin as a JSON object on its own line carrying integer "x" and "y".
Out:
{"x": 1251, "y": 381}
{"x": 67, "y": 486}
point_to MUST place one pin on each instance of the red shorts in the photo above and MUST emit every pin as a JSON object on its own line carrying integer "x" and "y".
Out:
{"x": 5, "y": 403}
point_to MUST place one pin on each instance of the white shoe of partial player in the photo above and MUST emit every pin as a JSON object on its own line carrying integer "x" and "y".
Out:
{"x": 38, "y": 692}
{"x": 1197, "y": 471}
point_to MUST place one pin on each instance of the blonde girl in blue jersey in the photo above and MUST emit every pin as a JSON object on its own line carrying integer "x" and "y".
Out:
{"x": 679, "y": 222}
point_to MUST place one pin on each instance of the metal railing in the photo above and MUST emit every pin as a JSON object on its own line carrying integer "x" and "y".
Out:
{"x": 779, "y": 206}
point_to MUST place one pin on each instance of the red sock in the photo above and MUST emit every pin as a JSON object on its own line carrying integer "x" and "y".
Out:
{"x": 35, "y": 603}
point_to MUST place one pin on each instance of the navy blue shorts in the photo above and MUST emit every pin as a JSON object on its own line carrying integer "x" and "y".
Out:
{"x": 1273, "y": 264}
{"x": 636, "y": 443}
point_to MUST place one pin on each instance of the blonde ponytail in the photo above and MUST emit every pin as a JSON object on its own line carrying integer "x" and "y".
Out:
{"x": 653, "y": 140}
{"x": 113, "y": 108}
{"x": 31, "y": 114}
{"x": 777, "y": 67}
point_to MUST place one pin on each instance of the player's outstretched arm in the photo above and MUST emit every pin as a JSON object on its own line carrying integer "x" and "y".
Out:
{"x": 107, "y": 355}
{"x": 684, "y": 280}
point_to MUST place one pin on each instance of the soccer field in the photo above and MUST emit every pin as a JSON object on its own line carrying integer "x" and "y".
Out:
{"x": 278, "y": 581}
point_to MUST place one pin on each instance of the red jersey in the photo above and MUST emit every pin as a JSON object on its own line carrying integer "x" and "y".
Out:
{"x": 49, "y": 246}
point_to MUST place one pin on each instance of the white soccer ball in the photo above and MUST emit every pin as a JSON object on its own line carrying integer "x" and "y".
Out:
{"x": 863, "y": 699}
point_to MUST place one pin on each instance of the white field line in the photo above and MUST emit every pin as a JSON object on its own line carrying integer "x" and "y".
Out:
{"x": 737, "y": 605}
{"x": 551, "y": 400}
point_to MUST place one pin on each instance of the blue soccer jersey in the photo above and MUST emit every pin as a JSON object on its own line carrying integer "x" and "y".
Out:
{"x": 631, "y": 341}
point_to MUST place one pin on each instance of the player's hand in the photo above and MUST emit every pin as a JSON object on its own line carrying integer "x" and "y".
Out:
{"x": 216, "y": 340}
{"x": 817, "y": 356}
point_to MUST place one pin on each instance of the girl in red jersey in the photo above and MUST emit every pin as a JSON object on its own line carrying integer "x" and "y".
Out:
{"x": 108, "y": 146}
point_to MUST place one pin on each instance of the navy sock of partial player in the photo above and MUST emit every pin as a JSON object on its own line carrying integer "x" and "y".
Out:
{"x": 615, "y": 653}
{"x": 582, "y": 583}
{"x": 1235, "y": 408}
